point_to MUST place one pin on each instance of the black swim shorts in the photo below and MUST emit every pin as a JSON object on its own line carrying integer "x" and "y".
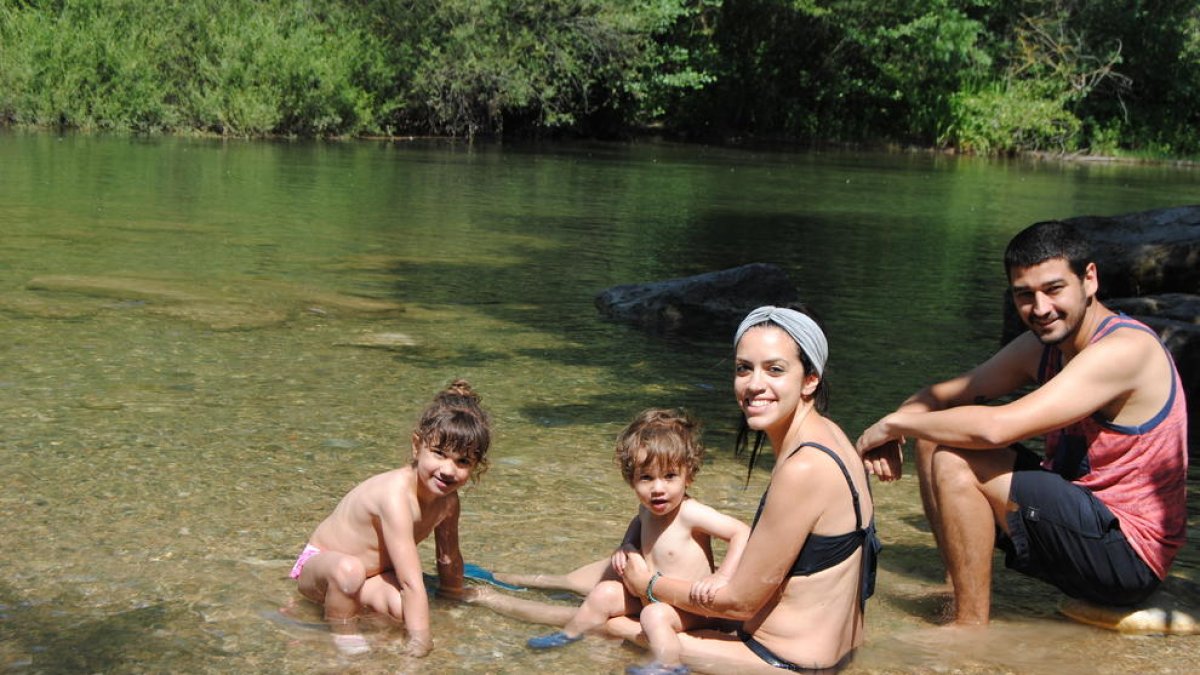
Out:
{"x": 1062, "y": 534}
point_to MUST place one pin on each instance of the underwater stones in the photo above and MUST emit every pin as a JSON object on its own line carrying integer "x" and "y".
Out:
{"x": 245, "y": 305}
{"x": 708, "y": 304}
{"x": 388, "y": 341}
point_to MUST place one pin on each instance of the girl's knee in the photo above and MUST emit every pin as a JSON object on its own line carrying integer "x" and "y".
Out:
{"x": 348, "y": 575}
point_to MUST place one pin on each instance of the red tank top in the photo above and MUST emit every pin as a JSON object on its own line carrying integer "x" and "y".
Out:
{"x": 1138, "y": 472}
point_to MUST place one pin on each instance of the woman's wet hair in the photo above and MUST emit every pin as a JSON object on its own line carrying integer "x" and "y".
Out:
{"x": 456, "y": 423}
{"x": 660, "y": 437}
{"x": 820, "y": 395}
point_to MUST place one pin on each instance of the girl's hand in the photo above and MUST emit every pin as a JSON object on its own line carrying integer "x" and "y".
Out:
{"x": 619, "y": 558}
{"x": 703, "y": 592}
{"x": 420, "y": 643}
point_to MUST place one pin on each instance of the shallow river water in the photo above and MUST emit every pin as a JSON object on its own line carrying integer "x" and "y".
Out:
{"x": 204, "y": 344}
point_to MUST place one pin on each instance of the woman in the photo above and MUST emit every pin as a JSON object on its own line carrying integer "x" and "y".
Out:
{"x": 809, "y": 566}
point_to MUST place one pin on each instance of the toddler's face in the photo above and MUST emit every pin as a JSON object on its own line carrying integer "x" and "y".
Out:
{"x": 660, "y": 489}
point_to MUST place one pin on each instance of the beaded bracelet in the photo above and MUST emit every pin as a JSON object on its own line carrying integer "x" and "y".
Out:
{"x": 650, "y": 587}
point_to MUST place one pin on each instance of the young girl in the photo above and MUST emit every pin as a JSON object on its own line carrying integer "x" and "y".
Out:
{"x": 659, "y": 455}
{"x": 365, "y": 553}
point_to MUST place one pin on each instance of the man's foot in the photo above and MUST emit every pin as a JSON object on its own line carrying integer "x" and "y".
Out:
{"x": 555, "y": 639}
{"x": 657, "y": 668}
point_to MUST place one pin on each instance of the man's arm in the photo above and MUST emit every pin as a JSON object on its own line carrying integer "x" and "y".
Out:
{"x": 1007, "y": 370}
{"x": 1096, "y": 376}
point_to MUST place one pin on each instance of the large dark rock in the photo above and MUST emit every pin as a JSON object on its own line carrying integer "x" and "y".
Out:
{"x": 707, "y": 305}
{"x": 1146, "y": 253}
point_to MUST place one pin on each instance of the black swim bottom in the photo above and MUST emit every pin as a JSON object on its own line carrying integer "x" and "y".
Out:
{"x": 768, "y": 657}
{"x": 1062, "y": 534}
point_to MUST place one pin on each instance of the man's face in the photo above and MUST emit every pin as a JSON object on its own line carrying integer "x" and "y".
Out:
{"x": 1051, "y": 299}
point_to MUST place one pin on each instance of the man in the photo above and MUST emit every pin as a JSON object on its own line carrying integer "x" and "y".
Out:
{"x": 1104, "y": 513}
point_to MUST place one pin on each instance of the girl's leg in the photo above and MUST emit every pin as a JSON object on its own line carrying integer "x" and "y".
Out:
{"x": 578, "y": 581}
{"x": 532, "y": 611}
{"x": 334, "y": 580}
{"x": 382, "y": 594}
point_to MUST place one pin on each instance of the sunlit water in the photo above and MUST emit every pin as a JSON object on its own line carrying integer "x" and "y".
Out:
{"x": 204, "y": 344}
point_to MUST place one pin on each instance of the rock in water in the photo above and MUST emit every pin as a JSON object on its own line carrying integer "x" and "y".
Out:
{"x": 708, "y": 305}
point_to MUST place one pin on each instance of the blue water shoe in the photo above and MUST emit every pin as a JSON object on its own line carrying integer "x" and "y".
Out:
{"x": 555, "y": 639}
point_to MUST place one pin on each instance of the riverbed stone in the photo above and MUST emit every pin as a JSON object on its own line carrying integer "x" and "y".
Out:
{"x": 707, "y": 305}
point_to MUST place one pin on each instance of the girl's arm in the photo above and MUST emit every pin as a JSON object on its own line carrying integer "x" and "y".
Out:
{"x": 800, "y": 489}
{"x": 396, "y": 522}
{"x": 448, "y": 555}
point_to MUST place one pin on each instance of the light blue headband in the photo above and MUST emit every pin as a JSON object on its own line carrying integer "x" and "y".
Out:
{"x": 800, "y": 326}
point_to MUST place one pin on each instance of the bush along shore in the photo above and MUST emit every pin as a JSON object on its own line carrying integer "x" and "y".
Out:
{"x": 1102, "y": 77}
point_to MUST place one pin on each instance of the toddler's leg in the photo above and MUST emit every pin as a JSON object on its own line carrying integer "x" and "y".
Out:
{"x": 662, "y": 625}
{"x": 608, "y": 599}
{"x": 334, "y": 580}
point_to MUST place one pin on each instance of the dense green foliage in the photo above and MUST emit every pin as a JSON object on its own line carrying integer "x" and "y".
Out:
{"x": 979, "y": 75}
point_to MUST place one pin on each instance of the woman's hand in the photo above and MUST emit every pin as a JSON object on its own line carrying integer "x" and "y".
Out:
{"x": 703, "y": 592}
{"x": 637, "y": 573}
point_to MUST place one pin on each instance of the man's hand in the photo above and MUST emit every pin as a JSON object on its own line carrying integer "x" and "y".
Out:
{"x": 881, "y": 454}
{"x": 885, "y": 461}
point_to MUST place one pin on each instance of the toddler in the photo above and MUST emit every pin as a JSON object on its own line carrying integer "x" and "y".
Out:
{"x": 659, "y": 454}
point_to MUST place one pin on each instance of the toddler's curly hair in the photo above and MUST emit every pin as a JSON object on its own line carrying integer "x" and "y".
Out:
{"x": 663, "y": 437}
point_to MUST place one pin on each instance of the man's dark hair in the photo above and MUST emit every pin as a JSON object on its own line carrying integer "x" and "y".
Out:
{"x": 1047, "y": 240}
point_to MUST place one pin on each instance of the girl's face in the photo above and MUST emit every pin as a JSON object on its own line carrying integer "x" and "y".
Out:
{"x": 769, "y": 380}
{"x": 660, "y": 489}
{"x": 439, "y": 472}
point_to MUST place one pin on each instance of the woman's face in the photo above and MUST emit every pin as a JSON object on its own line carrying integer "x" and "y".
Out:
{"x": 769, "y": 380}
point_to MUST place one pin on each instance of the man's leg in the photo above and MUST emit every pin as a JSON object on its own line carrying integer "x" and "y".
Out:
{"x": 970, "y": 488}
{"x": 924, "y": 461}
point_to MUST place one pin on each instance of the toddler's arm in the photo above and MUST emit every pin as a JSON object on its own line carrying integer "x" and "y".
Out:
{"x": 728, "y": 528}
{"x": 630, "y": 542}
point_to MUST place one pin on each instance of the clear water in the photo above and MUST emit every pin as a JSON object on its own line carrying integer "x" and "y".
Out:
{"x": 184, "y": 390}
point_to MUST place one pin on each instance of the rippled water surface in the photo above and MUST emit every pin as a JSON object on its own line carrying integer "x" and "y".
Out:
{"x": 204, "y": 344}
